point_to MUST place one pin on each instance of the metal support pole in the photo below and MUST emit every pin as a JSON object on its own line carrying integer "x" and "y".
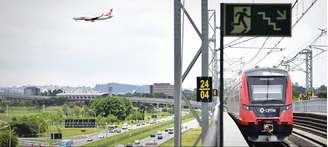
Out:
{"x": 9, "y": 135}
{"x": 307, "y": 81}
{"x": 311, "y": 71}
{"x": 204, "y": 9}
{"x": 177, "y": 73}
{"x": 7, "y": 109}
{"x": 215, "y": 72}
{"x": 221, "y": 75}
{"x": 308, "y": 70}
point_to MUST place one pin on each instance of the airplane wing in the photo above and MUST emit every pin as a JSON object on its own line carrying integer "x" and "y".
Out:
{"x": 78, "y": 18}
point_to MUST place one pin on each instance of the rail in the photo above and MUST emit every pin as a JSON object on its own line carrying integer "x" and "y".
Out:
{"x": 310, "y": 129}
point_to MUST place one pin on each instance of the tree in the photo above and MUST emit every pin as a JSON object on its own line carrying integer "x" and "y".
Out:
{"x": 25, "y": 127}
{"x": 136, "y": 115}
{"x": 322, "y": 91}
{"x": 65, "y": 109}
{"x": 30, "y": 126}
{"x": 111, "y": 118}
{"x": 297, "y": 90}
{"x": 118, "y": 106}
{"x": 4, "y": 139}
{"x": 77, "y": 111}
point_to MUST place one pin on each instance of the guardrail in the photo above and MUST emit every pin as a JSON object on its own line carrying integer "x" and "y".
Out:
{"x": 313, "y": 105}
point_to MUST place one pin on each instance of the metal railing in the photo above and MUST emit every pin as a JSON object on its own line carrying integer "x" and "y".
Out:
{"x": 313, "y": 105}
{"x": 212, "y": 138}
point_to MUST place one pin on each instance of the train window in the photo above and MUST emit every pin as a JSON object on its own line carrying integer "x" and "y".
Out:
{"x": 266, "y": 88}
{"x": 267, "y": 92}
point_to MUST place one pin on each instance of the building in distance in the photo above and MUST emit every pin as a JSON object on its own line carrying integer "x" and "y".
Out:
{"x": 31, "y": 90}
{"x": 162, "y": 88}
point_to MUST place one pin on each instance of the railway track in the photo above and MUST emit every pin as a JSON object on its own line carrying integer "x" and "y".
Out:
{"x": 309, "y": 129}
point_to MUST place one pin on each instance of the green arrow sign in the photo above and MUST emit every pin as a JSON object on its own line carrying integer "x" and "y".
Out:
{"x": 257, "y": 20}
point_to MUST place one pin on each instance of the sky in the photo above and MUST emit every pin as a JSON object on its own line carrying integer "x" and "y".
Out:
{"x": 40, "y": 43}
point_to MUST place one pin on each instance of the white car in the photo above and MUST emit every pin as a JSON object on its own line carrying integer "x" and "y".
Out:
{"x": 137, "y": 142}
{"x": 101, "y": 136}
{"x": 89, "y": 139}
{"x": 125, "y": 127}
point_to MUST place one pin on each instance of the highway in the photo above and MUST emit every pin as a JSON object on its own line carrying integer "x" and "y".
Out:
{"x": 82, "y": 139}
{"x": 105, "y": 134}
{"x": 166, "y": 136}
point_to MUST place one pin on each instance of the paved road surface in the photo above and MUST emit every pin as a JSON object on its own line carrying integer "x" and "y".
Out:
{"x": 166, "y": 136}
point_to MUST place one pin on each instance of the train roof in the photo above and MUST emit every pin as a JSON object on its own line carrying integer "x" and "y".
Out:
{"x": 266, "y": 72}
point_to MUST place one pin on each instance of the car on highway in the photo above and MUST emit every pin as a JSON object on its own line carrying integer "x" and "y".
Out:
{"x": 152, "y": 135}
{"x": 160, "y": 136}
{"x": 125, "y": 126}
{"x": 111, "y": 131}
{"x": 66, "y": 143}
{"x": 118, "y": 130}
{"x": 129, "y": 145}
{"x": 101, "y": 136}
{"x": 89, "y": 139}
{"x": 171, "y": 132}
{"x": 137, "y": 142}
{"x": 166, "y": 130}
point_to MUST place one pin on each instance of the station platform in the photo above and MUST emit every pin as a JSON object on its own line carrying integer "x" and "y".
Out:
{"x": 232, "y": 135}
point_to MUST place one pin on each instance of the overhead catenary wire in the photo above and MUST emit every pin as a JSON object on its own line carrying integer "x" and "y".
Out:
{"x": 297, "y": 21}
{"x": 316, "y": 38}
{"x": 258, "y": 52}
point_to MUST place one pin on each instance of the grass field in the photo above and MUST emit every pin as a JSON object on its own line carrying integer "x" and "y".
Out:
{"x": 19, "y": 111}
{"x": 128, "y": 137}
{"x": 188, "y": 138}
{"x": 69, "y": 132}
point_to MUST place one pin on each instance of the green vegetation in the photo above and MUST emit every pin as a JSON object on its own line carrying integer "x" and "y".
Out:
{"x": 300, "y": 91}
{"x": 41, "y": 120}
{"x": 322, "y": 91}
{"x": 118, "y": 106}
{"x": 18, "y": 111}
{"x": 188, "y": 138}
{"x": 4, "y": 139}
{"x": 130, "y": 136}
{"x": 70, "y": 132}
{"x": 28, "y": 126}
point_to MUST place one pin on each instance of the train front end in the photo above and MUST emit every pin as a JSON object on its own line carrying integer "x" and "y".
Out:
{"x": 266, "y": 112}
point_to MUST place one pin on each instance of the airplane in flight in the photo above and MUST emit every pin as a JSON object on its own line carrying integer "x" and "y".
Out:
{"x": 103, "y": 16}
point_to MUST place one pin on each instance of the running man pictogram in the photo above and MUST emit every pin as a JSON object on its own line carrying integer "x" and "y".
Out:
{"x": 242, "y": 20}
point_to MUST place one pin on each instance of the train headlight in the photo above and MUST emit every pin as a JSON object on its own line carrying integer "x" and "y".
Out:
{"x": 287, "y": 107}
{"x": 246, "y": 107}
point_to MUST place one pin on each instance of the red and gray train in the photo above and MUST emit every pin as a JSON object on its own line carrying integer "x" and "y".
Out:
{"x": 263, "y": 104}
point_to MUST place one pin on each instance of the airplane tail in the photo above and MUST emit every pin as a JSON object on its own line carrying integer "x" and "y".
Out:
{"x": 109, "y": 13}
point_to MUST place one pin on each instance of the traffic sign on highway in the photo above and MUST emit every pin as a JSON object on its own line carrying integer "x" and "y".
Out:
{"x": 257, "y": 19}
{"x": 80, "y": 123}
{"x": 204, "y": 89}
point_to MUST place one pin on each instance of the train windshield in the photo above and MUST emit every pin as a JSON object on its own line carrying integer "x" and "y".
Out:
{"x": 267, "y": 88}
